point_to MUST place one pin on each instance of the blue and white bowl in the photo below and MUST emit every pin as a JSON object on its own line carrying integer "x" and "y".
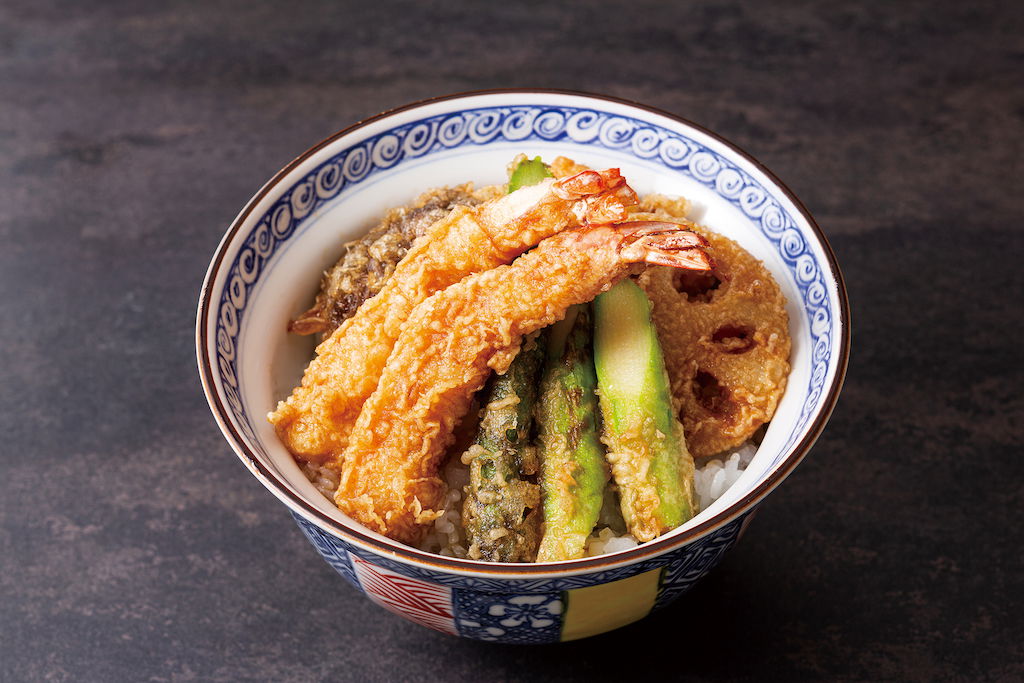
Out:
{"x": 268, "y": 266}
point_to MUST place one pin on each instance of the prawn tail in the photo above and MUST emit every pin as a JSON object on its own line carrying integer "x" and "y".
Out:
{"x": 664, "y": 243}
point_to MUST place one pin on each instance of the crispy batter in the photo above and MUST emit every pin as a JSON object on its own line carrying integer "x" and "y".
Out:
{"x": 315, "y": 421}
{"x": 369, "y": 261}
{"x": 659, "y": 206}
{"x": 563, "y": 167}
{"x": 560, "y": 167}
{"x": 452, "y": 342}
{"x": 725, "y": 339}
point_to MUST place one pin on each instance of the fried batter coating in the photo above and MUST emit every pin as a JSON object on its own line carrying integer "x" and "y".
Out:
{"x": 314, "y": 422}
{"x": 560, "y": 167}
{"x": 563, "y": 167}
{"x": 725, "y": 338}
{"x": 369, "y": 261}
{"x": 452, "y": 342}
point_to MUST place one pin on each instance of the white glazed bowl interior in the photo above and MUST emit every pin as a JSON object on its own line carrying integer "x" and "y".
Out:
{"x": 269, "y": 265}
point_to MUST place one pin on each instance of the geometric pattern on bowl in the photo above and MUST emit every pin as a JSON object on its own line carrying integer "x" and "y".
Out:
{"x": 427, "y": 604}
{"x": 525, "y": 611}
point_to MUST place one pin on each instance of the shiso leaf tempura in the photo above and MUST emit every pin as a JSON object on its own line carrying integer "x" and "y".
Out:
{"x": 501, "y": 511}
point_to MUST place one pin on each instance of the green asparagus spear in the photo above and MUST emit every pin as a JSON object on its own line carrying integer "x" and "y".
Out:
{"x": 573, "y": 472}
{"x": 528, "y": 172}
{"x": 500, "y": 514}
{"x": 646, "y": 450}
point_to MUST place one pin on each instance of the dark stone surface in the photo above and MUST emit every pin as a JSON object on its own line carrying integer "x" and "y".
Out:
{"x": 134, "y": 546}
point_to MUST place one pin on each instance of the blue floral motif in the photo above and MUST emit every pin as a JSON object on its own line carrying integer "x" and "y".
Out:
{"x": 488, "y": 125}
{"x": 509, "y": 618}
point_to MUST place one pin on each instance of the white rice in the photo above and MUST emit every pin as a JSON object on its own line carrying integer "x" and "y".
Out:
{"x": 715, "y": 476}
{"x": 446, "y": 536}
{"x": 604, "y": 541}
{"x": 324, "y": 479}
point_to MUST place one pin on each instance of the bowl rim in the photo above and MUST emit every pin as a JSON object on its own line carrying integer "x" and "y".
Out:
{"x": 414, "y": 556}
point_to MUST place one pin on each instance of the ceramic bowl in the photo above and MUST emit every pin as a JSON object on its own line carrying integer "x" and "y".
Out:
{"x": 268, "y": 266}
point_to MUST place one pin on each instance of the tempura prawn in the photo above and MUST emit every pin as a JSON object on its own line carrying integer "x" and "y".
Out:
{"x": 315, "y": 421}
{"x": 451, "y": 343}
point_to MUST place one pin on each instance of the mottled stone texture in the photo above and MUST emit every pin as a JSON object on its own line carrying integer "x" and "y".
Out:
{"x": 133, "y": 546}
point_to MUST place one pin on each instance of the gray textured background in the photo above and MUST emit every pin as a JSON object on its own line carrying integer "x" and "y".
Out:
{"x": 134, "y": 546}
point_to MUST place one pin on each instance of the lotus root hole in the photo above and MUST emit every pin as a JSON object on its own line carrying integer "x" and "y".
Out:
{"x": 734, "y": 339}
{"x": 712, "y": 396}
{"x": 697, "y": 286}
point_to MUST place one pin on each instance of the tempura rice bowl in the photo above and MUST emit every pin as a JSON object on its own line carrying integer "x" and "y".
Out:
{"x": 268, "y": 266}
